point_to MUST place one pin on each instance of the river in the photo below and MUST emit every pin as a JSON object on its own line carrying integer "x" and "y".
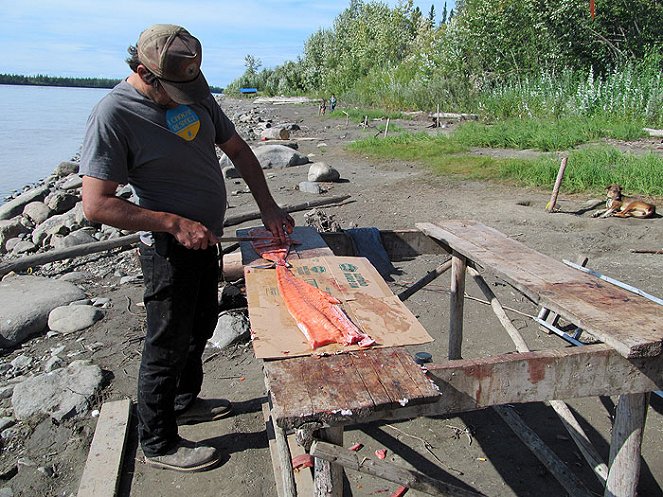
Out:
{"x": 40, "y": 126}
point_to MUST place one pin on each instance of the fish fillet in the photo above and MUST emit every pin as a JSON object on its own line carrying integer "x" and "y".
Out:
{"x": 318, "y": 314}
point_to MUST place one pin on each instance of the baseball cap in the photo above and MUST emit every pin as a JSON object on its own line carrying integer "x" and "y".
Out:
{"x": 174, "y": 56}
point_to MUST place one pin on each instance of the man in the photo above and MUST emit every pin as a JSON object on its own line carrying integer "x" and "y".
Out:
{"x": 157, "y": 131}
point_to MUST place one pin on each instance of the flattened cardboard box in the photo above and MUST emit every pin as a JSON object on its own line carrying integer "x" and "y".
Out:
{"x": 365, "y": 297}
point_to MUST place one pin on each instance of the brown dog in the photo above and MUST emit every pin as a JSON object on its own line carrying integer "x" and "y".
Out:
{"x": 622, "y": 206}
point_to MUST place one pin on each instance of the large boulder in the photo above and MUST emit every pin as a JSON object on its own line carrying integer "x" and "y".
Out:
{"x": 26, "y": 304}
{"x": 15, "y": 207}
{"x": 279, "y": 156}
{"x": 61, "y": 394}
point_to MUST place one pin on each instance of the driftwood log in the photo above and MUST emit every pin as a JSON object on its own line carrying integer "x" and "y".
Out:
{"x": 92, "y": 248}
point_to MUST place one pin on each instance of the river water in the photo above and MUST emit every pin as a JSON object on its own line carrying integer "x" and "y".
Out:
{"x": 40, "y": 126}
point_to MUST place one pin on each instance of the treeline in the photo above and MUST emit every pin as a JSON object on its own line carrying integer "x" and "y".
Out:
{"x": 42, "y": 80}
{"x": 404, "y": 58}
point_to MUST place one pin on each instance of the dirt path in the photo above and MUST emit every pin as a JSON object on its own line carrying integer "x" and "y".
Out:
{"x": 476, "y": 449}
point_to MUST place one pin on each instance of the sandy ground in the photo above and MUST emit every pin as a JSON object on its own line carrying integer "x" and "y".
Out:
{"x": 475, "y": 450}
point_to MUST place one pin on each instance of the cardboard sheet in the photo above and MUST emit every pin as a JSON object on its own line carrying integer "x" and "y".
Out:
{"x": 365, "y": 297}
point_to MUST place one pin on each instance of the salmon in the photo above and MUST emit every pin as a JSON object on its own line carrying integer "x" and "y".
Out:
{"x": 319, "y": 315}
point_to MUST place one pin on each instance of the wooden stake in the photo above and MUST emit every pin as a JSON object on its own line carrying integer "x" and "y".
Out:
{"x": 430, "y": 276}
{"x": 328, "y": 475}
{"x": 386, "y": 128}
{"x": 550, "y": 207}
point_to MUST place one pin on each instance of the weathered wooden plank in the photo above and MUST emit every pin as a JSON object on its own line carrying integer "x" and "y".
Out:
{"x": 537, "y": 376}
{"x": 101, "y": 475}
{"x": 597, "y": 307}
{"x": 387, "y": 471}
{"x": 345, "y": 388}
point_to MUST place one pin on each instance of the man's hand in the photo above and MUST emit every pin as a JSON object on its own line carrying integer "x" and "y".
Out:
{"x": 279, "y": 222}
{"x": 193, "y": 235}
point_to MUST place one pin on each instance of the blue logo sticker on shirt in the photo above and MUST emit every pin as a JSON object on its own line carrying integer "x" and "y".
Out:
{"x": 183, "y": 121}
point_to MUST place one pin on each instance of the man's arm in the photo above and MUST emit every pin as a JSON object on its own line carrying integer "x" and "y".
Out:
{"x": 274, "y": 218}
{"x": 101, "y": 205}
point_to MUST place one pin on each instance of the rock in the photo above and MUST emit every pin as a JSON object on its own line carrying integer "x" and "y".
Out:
{"x": 6, "y": 492}
{"x": 231, "y": 326}
{"x": 10, "y": 433}
{"x": 279, "y": 156}
{"x": 9, "y": 229}
{"x": 6, "y": 391}
{"x": 23, "y": 247}
{"x": 103, "y": 302}
{"x": 70, "y": 318}
{"x": 53, "y": 363}
{"x": 78, "y": 237}
{"x": 61, "y": 201}
{"x": 231, "y": 172}
{"x": 309, "y": 187}
{"x": 26, "y": 304}
{"x": 38, "y": 212}
{"x": 77, "y": 276}
{"x": 16, "y": 206}
{"x": 21, "y": 363}
{"x": 59, "y": 225}
{"x": 72, "y": 182}
{"x": 320, "y": 171}
{"x": 65, "y": 169}
{"x": 6, "y": 423}
{"x": 62, "y": 394}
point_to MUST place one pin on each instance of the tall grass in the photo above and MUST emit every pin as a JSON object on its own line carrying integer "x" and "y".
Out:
{"x": 546, "y": 135}
{"x": 589, "y": 170}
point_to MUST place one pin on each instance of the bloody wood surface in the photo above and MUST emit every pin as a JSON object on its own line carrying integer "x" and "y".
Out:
{"x": 345, "y": 388}
{"x": 629, "y": 323}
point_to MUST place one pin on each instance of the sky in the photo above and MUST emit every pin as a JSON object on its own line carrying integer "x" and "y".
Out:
{"x": 85, "y": 38}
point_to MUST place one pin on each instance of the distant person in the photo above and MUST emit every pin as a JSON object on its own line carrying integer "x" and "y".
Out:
{"x": 157, "y": 131}
{"x": 323, "y": 107}
{"x": 332, "y": 103}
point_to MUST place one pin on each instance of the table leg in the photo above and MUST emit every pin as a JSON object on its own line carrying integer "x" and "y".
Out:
{"x": 627, "y": 431}
{"x": 328, "y": 476}
{"x": 458, "y": 270}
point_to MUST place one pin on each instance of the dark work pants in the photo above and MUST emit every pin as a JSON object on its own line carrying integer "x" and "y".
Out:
{"x": 182, "y": 308}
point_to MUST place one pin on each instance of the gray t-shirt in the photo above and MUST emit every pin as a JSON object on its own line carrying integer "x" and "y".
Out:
{"x": 166, "y": 155}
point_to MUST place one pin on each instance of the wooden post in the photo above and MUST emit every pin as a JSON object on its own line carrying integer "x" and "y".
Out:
{"x": 328, "y": 476}
{"x": 458, "y": 269}
{"x": 386, "y": 128}
{"x": 558, "y": 182}
{"x": 625, "y": 445}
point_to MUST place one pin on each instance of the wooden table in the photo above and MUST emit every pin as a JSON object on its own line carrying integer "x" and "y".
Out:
{"x": 321, "y": 395}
